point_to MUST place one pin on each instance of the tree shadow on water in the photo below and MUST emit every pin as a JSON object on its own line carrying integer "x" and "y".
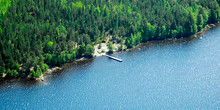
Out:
{"x": 27, "y": 83}
{"x": 69, "y": 68}
{"x": 30, "y": 83}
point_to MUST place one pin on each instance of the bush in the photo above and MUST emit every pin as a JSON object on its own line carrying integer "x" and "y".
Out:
{"x": 89, "y": 51}
{"x": 49, "y": 46}
{"x": 12, "y": 73}
{"x": 38, "y": 73}
{"x": 103, "y": 51}
{"x": 120, "y": 48}
{"x": 125, "y": 48}
{"x": 44, "y": 67}
{"x": 111, "y": 48}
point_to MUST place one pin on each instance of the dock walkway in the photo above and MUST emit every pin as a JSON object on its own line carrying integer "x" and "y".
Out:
{"x": 114, "y": 58}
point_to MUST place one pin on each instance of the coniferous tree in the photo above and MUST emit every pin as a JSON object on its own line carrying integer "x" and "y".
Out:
{"x": 43, "y": 33}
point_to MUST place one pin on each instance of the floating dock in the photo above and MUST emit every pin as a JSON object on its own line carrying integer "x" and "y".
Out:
{"x": 114, "y": 58}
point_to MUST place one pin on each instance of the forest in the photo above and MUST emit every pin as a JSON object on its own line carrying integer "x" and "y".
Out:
{"x": 38, "y": 34}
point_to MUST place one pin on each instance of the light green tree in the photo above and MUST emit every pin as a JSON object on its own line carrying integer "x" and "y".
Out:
{"x": 110, "y": 47}
{"x": 89, "y": 50}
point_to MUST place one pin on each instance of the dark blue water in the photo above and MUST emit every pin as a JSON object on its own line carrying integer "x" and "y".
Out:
{"x": 171, "y": 74}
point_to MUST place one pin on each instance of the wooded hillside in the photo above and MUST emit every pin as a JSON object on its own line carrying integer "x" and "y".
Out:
{"x": 42, "y": 33}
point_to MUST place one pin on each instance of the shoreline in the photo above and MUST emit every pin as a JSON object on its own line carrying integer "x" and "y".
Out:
{"x": 98, "y": 53}
{"x": 196, "y": 35}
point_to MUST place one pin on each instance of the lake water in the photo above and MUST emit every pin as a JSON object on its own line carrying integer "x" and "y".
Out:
{"x": 170, "y": 74}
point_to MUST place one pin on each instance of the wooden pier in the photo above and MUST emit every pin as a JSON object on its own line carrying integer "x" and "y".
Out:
{"x": 114, "y": 58}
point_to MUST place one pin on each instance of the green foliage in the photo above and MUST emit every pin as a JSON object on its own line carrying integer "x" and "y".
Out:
{"x": 38, "y": 73}
{"x": 17, "y": 67}
{"x": 0, "y": 31}
{"x": 32, "y": 73}
{"x": 97, "y": 10}
{"x": 49, "y": 45}
{"x": 77, "y": 4}
{"x": 73, "y": 55}
{"x": 48, "y": 58}
{"x": 4, "y": 5}
{"x": 134, "y": 40}
{"x": 200, "y": 22}
{"x": 120, "y": 48}
{"x": 103, "y": 51}
{"x": 63, "y": 3}
{"x": 43, "y": 66}
{"x": 190, "y": 25}
{"x": 100, "y": 46}
{"x": 89, "y": 51}
{"x": 42, "y": 33}
{"x": 12, "y": 73}
{"x": 149, "y": 32}
{"x": 111, "y": 48}
{"x": 82, "y": 49}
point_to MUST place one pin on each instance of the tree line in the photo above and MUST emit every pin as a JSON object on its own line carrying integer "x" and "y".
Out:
{"x": 37, "y": 34}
